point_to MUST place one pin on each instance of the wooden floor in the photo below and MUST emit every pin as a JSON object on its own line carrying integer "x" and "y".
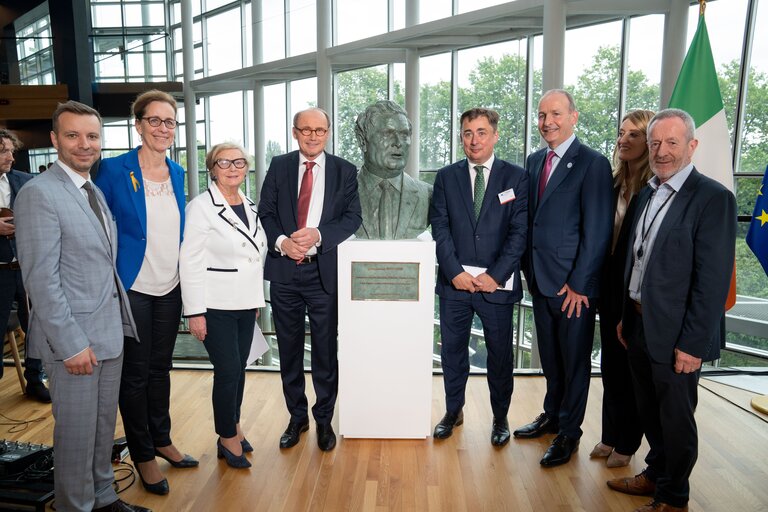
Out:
{"x": 463, "y": 473}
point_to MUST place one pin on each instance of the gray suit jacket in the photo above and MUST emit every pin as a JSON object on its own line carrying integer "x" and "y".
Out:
{"x": 69, "y": 272}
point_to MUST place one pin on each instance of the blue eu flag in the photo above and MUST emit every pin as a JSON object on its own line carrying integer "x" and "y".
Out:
{"x": 757, "y": 236}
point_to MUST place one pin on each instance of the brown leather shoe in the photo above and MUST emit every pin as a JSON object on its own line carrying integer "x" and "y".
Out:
{"x": 657, "y": 506}
{"x": 638, "y": 485}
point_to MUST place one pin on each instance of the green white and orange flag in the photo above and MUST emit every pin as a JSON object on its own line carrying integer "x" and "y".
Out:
{"x": 698, "y": 93}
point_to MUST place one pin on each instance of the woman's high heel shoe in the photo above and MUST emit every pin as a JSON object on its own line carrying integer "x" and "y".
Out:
{"x": 247, "y": 448}
{"x": 235, "y": 461}
{"x": 187, "y": 462}
{"x": 161, "y": 488}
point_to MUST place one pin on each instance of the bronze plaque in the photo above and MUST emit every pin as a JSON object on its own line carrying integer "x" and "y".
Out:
{"x": 392, "y": 281}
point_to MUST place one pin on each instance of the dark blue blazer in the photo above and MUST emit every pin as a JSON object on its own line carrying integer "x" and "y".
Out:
{"x": 570, "y": 229}
{"x": 129, "y": 208}
{"x": 16, "y": 179}
{"x": 278, "y": 207}
{"x": 688, "y": 272}
{"x": 496, "y": 240}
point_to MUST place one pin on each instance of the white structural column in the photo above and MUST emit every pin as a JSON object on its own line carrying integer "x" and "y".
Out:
{"x": 324, "y": 72}
{"x": 673, "y": 51}
{"x": 259, "y": 144}
{"x": 554, "y": 45}
{"x": 412, "y": 90}
{"x": 190, "y": 111}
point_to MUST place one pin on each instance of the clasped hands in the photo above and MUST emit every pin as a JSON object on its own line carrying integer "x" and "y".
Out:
{"x": 482, "y": 283}
{"x": 6, "y": 226}
{"x": 300, "y": 242}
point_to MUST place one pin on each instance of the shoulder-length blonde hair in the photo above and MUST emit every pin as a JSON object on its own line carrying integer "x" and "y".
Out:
{"x": 639, "y": 118}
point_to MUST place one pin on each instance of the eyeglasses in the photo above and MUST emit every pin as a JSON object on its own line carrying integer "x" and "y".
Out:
{"x": 239, "y": 163}
{"x": 155, "y": 122}
{"x": 308, "y": 131}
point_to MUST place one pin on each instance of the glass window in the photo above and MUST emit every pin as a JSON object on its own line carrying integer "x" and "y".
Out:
{"x": 358, "y": 20}
{"x": 643, "y": 62}
{"x": 473, "y": 5}
{"x": 275, "y": 116}
{"x": 35, "y": 52}
{"x": 355, "y": 90}
{"x": 399, "y": 15}
{"x": 144, "y": 14}
{"x": 430, "y": 10}
{"x": 435, "y": 116}
{"x": 537, "y": 70}
{"x": 592, "y": 63}
{"x": 494, "y": 77}
{"x": 106, "y": 16}
{"x": 226, "y": 118}
{"x": 303, "y": 27}
{"x": 273, "y": 30}
{"x": 224, "y": 32}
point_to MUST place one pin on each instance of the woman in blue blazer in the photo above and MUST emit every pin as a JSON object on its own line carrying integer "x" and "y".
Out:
{"x": 145, "y": 191}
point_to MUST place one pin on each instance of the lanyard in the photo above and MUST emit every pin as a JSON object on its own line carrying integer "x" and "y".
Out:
{"x": 644, "y": 232}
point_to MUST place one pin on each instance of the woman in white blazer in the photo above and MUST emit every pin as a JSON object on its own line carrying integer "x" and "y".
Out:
{"x": 221, "y": 269}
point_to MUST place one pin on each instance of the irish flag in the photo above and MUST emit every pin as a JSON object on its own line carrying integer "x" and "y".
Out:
{"x": 698, "y": 93}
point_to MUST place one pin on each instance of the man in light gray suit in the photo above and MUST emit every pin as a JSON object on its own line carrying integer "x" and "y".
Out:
{"x": 66, "y": 238}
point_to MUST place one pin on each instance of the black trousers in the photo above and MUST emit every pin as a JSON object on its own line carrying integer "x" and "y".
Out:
{"x": 145, "y": 388}
{"x": 455, "y": 325}
{"x": 666, "y": 401}
{"x": 622, "y": 427}
{"x": 12, "y": 289}
{"x": 228, "y": 343}
{"x": 565, "y": 347}
{"x": 290, "y": 302}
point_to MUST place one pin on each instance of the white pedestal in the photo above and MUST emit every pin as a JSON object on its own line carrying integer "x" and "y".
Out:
{"x": 385, "y": 346}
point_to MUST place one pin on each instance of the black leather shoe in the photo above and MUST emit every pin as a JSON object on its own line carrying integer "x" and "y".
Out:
{"x": 186, "y": 462}
{"x": 560, "y": 451}
{"x": 161, "y": 488}
{"x": 543, "y": 424}
{"x": 292, "y": 433}
{"x": 38, "y": 391}
{"x": 121, "y": 506}
{"x": 247, "y": 448}
{"x": 500, "y": 432}
{"x": 444, "y": 428}
{"x": 326, "y": 437}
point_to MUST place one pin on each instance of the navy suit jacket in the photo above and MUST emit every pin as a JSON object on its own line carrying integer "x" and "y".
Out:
{"x": 16, "y": 179}
{"x": 688, "y": 272}
{"x": 570, "y": 228}
{"x": 129, "y": 207}
{"x": 496, "y": 240}
{"x": 278, "y": 208}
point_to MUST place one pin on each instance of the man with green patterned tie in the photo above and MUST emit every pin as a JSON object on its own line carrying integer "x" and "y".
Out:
{"x": 479, "y": 222}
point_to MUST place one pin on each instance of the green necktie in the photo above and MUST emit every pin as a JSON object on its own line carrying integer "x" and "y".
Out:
{"x": 479, "y": 189}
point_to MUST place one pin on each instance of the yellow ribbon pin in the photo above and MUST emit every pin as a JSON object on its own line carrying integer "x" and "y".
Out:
{"x": 135, "y": 182}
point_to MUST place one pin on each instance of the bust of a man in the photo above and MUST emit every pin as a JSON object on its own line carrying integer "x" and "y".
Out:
{"x": 395, "y": 205}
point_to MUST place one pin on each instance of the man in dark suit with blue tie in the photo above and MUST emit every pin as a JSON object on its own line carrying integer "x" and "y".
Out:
{"x": 11, "y": 285}
{"x": 570, "y": 222}
{"x": 479, "y": 223}
{"x": 309, "y": 205}
{"x": 677, "y": 275}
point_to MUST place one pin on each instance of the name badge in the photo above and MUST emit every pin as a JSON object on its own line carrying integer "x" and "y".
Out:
{"x": 506, "y": 196}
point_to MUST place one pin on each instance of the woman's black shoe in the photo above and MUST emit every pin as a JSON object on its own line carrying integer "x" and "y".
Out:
{"x": 160, "y": 487}
{"x": 247, "y": 448}
{"x": 235, "y": 461}
{"x": 187, "y": 462}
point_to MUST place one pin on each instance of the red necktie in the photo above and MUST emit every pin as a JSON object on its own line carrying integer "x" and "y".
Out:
{"x": 545, "y": 174}
{"x": 305, "y": 194}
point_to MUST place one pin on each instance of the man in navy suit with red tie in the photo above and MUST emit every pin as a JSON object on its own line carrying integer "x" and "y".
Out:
{"x": 570, "y": 222}
{"x": 309, "y": 205}
{"x": 479, "y": 223}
